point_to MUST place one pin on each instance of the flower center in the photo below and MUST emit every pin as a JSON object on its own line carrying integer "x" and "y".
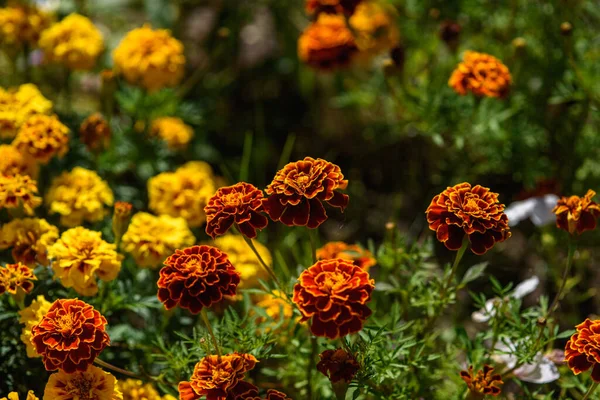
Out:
{"x": 332, "y": 281}
{"x": 232, "y": 200}
{"x": 193, "y": 262}
{"x": 81, "y": 389}
{"x": 471, "y": 205}
{"x": 300, "y": 182}
{"x": 65, "y": 323}
{"x": 220, "y": 375}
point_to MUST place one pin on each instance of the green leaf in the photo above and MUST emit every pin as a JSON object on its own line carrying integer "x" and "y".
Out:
{"x": 474, "y": 272}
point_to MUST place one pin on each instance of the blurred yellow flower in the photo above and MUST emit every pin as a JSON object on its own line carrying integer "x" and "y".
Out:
{"x": 15, "y": 396}
{"x": 29, "y": 317}
{"x": 150, "y": 58}
{"x": 18, "y": 191}
{"x": 13, "y": 162}
{"x": 173, "y": 131}
{"x": 93, "y": 383}
{"x": 79, "y": 256}
{"x": 375, "y": 27}
{"x": 17, "y": 105}
{"x": 134, "y": 389}
{"x": 42, "y": 137}
{"x": 78, "y": 196}
{"x": 277, "y": 308}
{"x": 22, "y": 24}
{"x": 151, "y": 239}
{"x": 74, "y": 42}
{"x": 29, "y": 239}
{"x": 183, "y": 193}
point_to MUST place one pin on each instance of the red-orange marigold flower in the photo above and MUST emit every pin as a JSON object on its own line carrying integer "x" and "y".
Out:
{"x": 331, "y": 6}
{"x": 272, "y": 394}
{"x": 338, "y": 365}
{"x": 297, "y": 190}
{"x": 481, "y": 74}
{"x": 577, "y": 214}
{"x": 334, "y": 293}
{"x": 473, "y": 211}
{"x": 240, "y": 204}
{"x": 360, "y": 257}
{"x": 582, "y": 351}
{"x": 196, "y": 277}
{"x": 485, "y": 382}
{"x": 16, "y": 276}
{"x": 70, "y": 335}
{"x": 219, "y": 378}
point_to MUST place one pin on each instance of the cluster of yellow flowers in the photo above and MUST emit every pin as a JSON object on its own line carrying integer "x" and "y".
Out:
{"x": 22, "y": 24}
{"x": 42, "y": 137}
{"x": 17, "y": 105}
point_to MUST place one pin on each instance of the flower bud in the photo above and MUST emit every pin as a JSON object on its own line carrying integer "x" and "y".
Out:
{"x": 120, "y": 219}
{"x": 95, "y": 133}
{"x": 566, "y": 29}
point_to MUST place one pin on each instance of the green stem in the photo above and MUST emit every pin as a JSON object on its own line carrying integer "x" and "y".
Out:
{"x": 310, "y": 366}
{"x": 554, "y": 304}
{"x": 314, "y": 237}
{"x": 211, "y": 333}
{"x": 116, "y": 369}
{"x": 590, "y": 390}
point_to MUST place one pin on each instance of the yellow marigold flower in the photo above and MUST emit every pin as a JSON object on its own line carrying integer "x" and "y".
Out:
{"x": 151, "y": 239}
{"x": 16, "y": 279}
{"x": 95, "y": 133}
{"x": 22, "y": 24}
{"x": 15, "y": 396}
{"x": 79, "y": 256}
{"x": 74, "y": 42}
{"x": 19, "y": 191}
{"x": 482, "y": 75}
{"x": 79, "y": 195}
{"x": 13, "y": 162}
{"x": 29, "y": 239}
{"x": 375, "y": 28}
{"x": 90, "y": 384}
{"x": 29, "y": 317}
{"x": 183, "y": 193}
{"x": 277, "y": 308}
{"x": 17, "y": 105}
{"x": 43, "y": 137}
{"x": 134, "y": 389}
{"x": 150, "y": 58}
{"x": 173, "y": 131}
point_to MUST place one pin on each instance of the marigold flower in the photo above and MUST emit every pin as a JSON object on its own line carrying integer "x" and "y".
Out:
{"x": 582, "y": 351}
{"x": 22, "y": 24}
{"x": 31, "y": 316}
{"x": 13, "y": 162}
{"x": 296, "y": 193}
{"x": 134, "y": 389}
{"x": 183, "y": 193}
{"x": 473, "y": 211}
{"x": 360, "y": 257}
{"x": 79, "y": 256}
{"x": 42, "y": 137}
{"x": 16, "y": 278}
{"x": 374, "y": 27}
{"x": 29, "y": 239}
{"x": 19, "y": 191}
{"x": 95, "y": 133}
{"x": 15, "y": 396}
{"x": 277, "y": 308}
{"x": 331, "y": 6}
{"x": 577, "y": 214}
{"x": 219, "y": 378}
{"x": 196, "y": 277}
{"x": 240, "y": 204}
{"x": 151, "y": 239}
{"x": 338, "y": 365}
{"x": 17, "y": 105}
{"x": 485, "y": 382}
{"x": 91, "y": 383}
{"x": 272, "y": 394}
{"x": 74, "y": 42}
{"x": 327, "y": 43}
{"x": 334, "y": 293}
{"x": 173, "y": 131}
{"x": 150, "y": 58}
{"x": 482, "y": 75}
{"x": 79, "y": 195}
{"x": 70, "y": 336}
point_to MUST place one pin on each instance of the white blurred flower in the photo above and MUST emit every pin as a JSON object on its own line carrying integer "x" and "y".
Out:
{"x": 541, "y": 370}
{"x": 538, "y": 209}
{"x": 521, "y": 290}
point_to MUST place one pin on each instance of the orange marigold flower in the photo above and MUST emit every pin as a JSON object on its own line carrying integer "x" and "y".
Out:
{"x": 252, "y": 394}
{"x": 16, "y": 277}
{"x": 485, "y": 382}
{"x": 582, "y": 351}
{"x": 337, "y": 365}
{"x": 42, "y": 137}
{"x": 331, "y": 6}
{"x": 473, "y": 211}
{"x": 196, "y": 277}
{"x": 375, "y": 28}
{"x": 334, "y": 293}
{"x": 95, "y": 133}
{"x": 481, "y": 74}
{"x": 296, "y": 193}
{"x": 219, "y": 378}
{"x": 360, "y": 257}
{"x": 70, "y": 336}
{"x": 93, "y": 383}
{"x": 240, "y": 204}
{"x": 577, "y": 214}
{"x": 19, "y": 191}
{"x": 327, "y": 43}
{"x": 13, "y": 162}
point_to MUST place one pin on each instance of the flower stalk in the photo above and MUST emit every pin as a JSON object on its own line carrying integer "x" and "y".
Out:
{"x": 211, "y": 333}
{"x": 591, "y": 390}
{"x": 570, "y": 255}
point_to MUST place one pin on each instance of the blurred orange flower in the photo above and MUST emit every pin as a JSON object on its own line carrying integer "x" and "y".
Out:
{"x": 582, "y": 351}
{"x": 196, "y": 277}
{"x": 240, "y": 204}
{"x": 95, "y": 133}
{"x": 16, "y": 277}
{"x": 334, "y": 293}
{"x": 42, "y": 137}
{"x": 577, "y": 214}
{"x": 13, "y": 162}
{"x": 485, "y": 382}
{"x": 296, "y": 193}
{"x": 19, "y": 191}
{"x": 331, "y": 6}
{"x": 338, "y": 365}
{"x": 70, "y": 336}
{"x": 327, "y": 43}
{"x": 360, "y": 257}
{"x": 481, "y": 74}
{"x": 473, "y": 211}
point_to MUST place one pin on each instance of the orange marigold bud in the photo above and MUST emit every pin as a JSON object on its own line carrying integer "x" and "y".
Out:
{"x": 482, "y": 75}
{"x": 582, "y": 349}
{"x": 240, "y": 204}
{"x": 331, "y": 6}
{"x": 70, "y": 336}
{"x": 484, "y": 382}
{"x": 219, "y": 378}
{"x": 297, "y": 190}
{"x": 334, "y": 293}
{"x": 360, "y": 257}
{"x": 338, "y": 365}
{"x": 19, "y": 191}
{"x": 577, "y": 214}
{"x": 95, "y": 133}
{"x": 43, "y": 137}
{"x": 15, "y": 277}
{"x": 473, "y": 211}
{"x": 120, "y": 219}
{"x": 196, "y": 277}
